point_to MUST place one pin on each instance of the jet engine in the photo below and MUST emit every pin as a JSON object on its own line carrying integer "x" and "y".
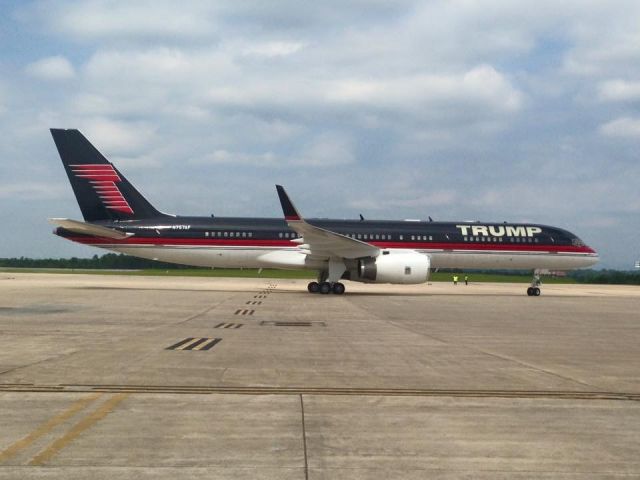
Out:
{"x": 392, "y": 267}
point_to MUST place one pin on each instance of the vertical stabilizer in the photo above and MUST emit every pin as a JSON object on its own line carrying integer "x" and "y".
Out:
{"x": 103, "y": 193}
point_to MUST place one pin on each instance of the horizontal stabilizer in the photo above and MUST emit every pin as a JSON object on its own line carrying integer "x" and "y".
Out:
{"x": 89, "y": 228}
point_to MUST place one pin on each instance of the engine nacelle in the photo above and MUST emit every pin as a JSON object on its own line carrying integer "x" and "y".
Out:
{"x": 394, "y": 267}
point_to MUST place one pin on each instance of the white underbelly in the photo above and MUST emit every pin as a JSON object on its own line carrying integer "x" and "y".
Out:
{"x": 291, "y": 258}
{"x": 234, "y": 257}
{"x": 509, "y": 260}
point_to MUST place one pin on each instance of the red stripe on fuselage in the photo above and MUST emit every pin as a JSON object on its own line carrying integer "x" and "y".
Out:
{"x": 253, "y": 242}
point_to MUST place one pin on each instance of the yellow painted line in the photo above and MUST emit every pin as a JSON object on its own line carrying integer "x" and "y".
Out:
{"x": 46, "y": 427}
{"x": 84, "y": 424}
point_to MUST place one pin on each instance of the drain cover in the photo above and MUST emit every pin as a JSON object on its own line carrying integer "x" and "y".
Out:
{"x": 274, "y": 323}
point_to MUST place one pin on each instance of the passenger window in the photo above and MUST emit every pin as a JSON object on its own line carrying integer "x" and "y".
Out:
{"x": 401, "y": 237}
{"x": 407, "y": 270}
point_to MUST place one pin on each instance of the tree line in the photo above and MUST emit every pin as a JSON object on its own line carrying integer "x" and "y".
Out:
{"x": 108, "y": 261}
{"x": 115, "y": 261}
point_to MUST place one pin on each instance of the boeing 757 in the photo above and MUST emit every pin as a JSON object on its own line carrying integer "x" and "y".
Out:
{"x": 118, "y": 218}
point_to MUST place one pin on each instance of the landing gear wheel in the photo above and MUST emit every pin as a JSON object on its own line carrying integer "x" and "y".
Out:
{"x": 313, "y": 287}
{"x": 338, "y": 288}
{"x": 325, "y": 287}
{"x": 533, "y": 291}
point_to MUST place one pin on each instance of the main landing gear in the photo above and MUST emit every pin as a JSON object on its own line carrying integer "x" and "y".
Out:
{"x": 326, "y": 288}
{"x": 534, "y": 289}
{"x": 325, "y": 285}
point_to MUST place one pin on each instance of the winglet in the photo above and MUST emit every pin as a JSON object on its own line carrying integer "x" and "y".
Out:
{"x": 290, "y": 212}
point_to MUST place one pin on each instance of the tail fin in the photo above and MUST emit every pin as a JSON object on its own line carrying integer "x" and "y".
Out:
{"x": 103, "y": 193}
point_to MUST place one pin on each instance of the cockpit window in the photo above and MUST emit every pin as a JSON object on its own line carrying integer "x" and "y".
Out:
{"x": 576, "y": 242}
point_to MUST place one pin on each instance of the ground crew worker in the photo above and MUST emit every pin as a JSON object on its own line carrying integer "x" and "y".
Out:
{"x": 466, "y": 279}
{"x": 455, "y": 279}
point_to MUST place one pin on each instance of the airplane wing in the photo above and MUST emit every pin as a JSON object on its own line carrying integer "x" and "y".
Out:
{"x": 89, "y": 228}
{"x": 320, "y": 242}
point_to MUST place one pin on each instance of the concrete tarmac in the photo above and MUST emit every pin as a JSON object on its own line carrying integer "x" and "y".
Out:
{"x": 149, "y": 377}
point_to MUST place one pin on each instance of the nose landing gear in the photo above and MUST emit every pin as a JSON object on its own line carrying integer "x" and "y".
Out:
{"x": 534, "y": 289}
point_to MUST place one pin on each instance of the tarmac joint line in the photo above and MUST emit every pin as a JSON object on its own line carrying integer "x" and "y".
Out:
{"x": 304, "y": 440}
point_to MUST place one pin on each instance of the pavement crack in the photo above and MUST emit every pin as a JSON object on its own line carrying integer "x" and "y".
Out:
{"x": 482, "y": 351}
{"x": 496, "y": 355}
{"x": 48, "y": 359}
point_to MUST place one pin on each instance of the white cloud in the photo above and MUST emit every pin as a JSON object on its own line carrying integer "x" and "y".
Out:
{"x": 324, "y": 150}
{"x": 100, "y": 19}
{"x": 2, "y": 100}
{"x": 218, "y": 157}
{"x": 482, "y": 85}
{"x": 604, "y": 38}
{"x": 31, "y": 191}
{"x": 51, "y": 68}
{"x": 625, "y": 127}
{"x": 327, "y": 150}
{"x": 160, "y": 66}
{"x": 619, "y": 91}
{"x": 117, "y": 136}
{"x": 273, "y": 49}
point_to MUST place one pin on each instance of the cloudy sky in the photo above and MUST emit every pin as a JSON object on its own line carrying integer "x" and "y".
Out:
{"x": 461, "y": 110}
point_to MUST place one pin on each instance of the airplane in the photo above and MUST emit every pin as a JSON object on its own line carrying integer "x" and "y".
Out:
{"x": 118, "y": 218}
